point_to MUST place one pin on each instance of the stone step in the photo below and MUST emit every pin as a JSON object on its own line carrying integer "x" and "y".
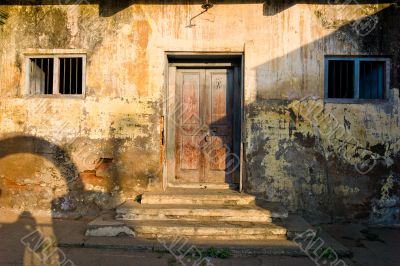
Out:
{"x": 215, "y": 230}
{"x": 210, "y": 230}
{"x": 219, "y": 186}
{"x": 196, "y": 230}
{"x": 240, "y": 213}
{"x": 128, "y": 239}
{"x": 197, "y": 197}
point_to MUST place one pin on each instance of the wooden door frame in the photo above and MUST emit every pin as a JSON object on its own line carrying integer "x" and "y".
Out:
{"x": 178, "y": 60}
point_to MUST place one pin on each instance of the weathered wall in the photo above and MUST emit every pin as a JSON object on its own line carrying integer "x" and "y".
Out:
{"x": 287, "y": 158}
{"x": 335, "y": 159}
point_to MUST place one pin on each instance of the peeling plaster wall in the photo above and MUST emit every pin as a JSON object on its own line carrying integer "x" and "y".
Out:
{"x": 112, "y": 135}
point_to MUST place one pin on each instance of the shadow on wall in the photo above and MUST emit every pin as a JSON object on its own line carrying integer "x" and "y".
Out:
{"x": 318, "y": 174}
{"x": 77, "y": 201}
{"x": 46, "y": 149}
{"x": 57, "y": 156}
{"x": 30, "y": 240}
{"x": 98, "y": 177}
{"x": 377, "y": 36}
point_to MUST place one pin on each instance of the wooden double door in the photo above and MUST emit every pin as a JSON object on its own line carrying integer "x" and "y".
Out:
{"x": 205, "y": 126}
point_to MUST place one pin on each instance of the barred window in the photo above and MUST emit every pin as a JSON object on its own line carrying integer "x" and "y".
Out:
{"x": 364, "y": 78}
{"x": 57, "y": 74}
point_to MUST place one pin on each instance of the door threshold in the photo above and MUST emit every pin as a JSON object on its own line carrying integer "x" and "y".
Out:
{"x": 204, "y": 185}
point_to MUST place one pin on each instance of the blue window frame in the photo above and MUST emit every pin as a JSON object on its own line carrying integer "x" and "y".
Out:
{"x": 356, "y": 78}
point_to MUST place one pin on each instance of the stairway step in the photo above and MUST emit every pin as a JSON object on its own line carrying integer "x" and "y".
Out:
{"x": 214, "y": 230}
{"x": 241, "y": 213}
{"x": 197, "y": 197}
{"x": 203, "y": 186}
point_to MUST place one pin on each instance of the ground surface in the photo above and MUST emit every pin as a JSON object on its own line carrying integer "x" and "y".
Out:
{"x": 370, "y": 246}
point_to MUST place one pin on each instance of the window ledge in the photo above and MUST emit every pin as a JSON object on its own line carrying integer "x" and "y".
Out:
{"x": 355, "y": 101}
{"x": 54, "y": 96}
{"x": 60, "y": 52}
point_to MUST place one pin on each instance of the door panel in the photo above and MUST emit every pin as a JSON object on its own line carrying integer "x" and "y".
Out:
{"x": 190, "y": 153}
{"x": 220, "y": 124}
{"x": 191, "y": 99}
{"x": 218, "y": 153}
{"x": 219, "y": 99}
{"x": 190, "y": 83}
{"x": 204, "y": 123}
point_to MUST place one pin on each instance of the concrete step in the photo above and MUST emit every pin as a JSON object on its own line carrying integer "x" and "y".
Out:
{"x": 219, "y": 186}
{"x": 240, "y": 213}
{"x": 133, "y": 236}
{"x": 197, "y": 197}
{"x": 209, "y": 230}
{"x": 105, "y": 226}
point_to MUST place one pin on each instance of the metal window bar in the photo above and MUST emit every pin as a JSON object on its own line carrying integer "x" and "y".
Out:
{"x": 334, "y": 80}
{"x": 341, "y": 64}
{"x": 34, "y": 74}
{"x": 70, "y": 75}
{"x": 356, "y": 81}
{"x": 76, "y": 76}
{"x": 376, "y": 77}
{"x": 380, "y": 81}
{"x": 30, "y": 76}
{"x": 372, "y": 79}
{"x": 347, "y": 79}
{"x": 340, "y": 78}
{"x": 40, "y": 75}
{"x": 40, "y": 78}
{"x": 362, "y": 80}
{"x": 48, "y": 77}
{"x": 372, "y": 84}
{"x": 367, "y": 77}
{"x": 64, "y": 81}
{"x": 43, "y": 78}
{"x": 39, "y": 62}
{"x": 37, "y": 86}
